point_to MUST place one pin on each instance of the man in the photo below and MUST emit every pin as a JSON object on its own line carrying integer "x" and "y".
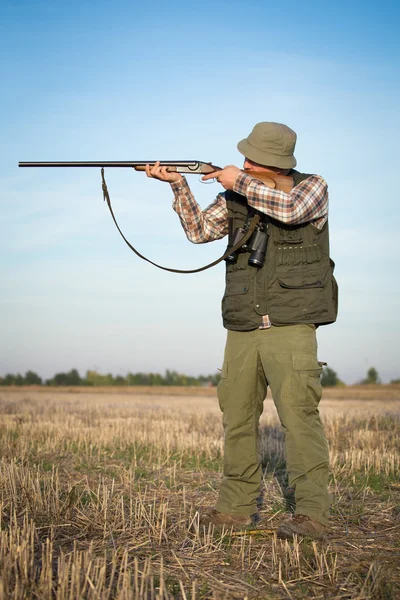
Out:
{"x": 271, "y": 308}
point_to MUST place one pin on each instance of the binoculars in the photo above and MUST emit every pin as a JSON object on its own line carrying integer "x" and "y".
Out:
{"x": 257, "y": 245}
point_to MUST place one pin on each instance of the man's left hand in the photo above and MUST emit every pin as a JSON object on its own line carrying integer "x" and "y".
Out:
{"x": 226, "y": 176}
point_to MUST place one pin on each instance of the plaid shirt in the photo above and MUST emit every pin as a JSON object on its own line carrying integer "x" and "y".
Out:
{"x": 306, "y": 202}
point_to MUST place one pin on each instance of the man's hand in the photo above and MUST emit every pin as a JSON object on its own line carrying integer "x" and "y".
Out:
{"x": 162, "y": 173}
{"x": 226, "y": 176}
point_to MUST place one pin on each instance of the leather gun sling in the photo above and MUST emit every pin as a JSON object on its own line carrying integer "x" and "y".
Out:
{"x": 253, "y": 224}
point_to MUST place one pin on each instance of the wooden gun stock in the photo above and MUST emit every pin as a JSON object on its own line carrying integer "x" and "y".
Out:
{"x": 283, "y": 183}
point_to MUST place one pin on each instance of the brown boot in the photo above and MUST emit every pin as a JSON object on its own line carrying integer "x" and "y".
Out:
{"x": 222, "y": 521}
{"x": 301, "y": 525}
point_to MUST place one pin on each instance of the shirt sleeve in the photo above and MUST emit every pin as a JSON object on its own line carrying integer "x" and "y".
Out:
{"x": 307, "y": 201}
{"x": 200, "y": 226}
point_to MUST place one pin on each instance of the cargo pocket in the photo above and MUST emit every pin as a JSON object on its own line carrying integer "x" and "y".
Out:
{"x": 222, "y": 387}
{"x": 307, "y": 390}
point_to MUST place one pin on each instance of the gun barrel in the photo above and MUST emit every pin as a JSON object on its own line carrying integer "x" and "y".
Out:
{"x": 190, "y": 164}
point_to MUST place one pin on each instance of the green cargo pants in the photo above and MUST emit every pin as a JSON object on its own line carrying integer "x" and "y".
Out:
{"x": 285, "y": 358}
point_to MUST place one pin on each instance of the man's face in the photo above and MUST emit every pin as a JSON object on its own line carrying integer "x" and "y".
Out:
{"x": 250, "y": 165}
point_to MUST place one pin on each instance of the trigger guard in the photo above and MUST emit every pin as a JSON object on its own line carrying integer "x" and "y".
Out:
{"x": 208, "y": 180}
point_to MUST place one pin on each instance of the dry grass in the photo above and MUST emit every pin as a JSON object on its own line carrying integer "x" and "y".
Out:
{"x": 353, "y": 392}
{"x": 100, "y": 492}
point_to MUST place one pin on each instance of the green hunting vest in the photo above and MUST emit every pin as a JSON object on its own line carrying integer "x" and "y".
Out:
{"x": 296, "y": 282}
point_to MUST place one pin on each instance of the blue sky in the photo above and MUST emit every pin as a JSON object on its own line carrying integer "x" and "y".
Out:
{"x": 127, "y": 80}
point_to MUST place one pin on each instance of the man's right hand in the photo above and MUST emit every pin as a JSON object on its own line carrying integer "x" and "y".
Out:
{"x": 162, "y": 173}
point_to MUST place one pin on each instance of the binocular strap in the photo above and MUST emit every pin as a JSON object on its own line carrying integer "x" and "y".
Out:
{"x": 253, "y": 224}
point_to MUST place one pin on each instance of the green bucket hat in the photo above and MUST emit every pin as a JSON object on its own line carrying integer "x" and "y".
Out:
{"x": 271, "y": 145}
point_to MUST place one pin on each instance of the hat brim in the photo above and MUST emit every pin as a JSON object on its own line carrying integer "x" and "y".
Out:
{"x": 265, "y": 158}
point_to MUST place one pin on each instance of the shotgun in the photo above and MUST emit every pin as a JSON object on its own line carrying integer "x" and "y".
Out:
{"x": 186, "y": 167}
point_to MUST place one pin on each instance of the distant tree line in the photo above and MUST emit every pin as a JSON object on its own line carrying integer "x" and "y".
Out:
{"x": 329, "y": 378}
{"x": 93, "y": 378}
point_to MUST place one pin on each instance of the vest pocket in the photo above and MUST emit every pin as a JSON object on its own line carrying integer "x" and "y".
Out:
{"x": 298, "y": 255}
{"x": 234, "y": 288}
{"x": 237, "y": 303}
{"x": 301, "y": 297}
{"x": 234, "y": 302}
{"x": 302, "y": 281}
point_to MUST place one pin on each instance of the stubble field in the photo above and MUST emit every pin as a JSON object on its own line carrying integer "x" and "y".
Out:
{"x": 100, "y": 493}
